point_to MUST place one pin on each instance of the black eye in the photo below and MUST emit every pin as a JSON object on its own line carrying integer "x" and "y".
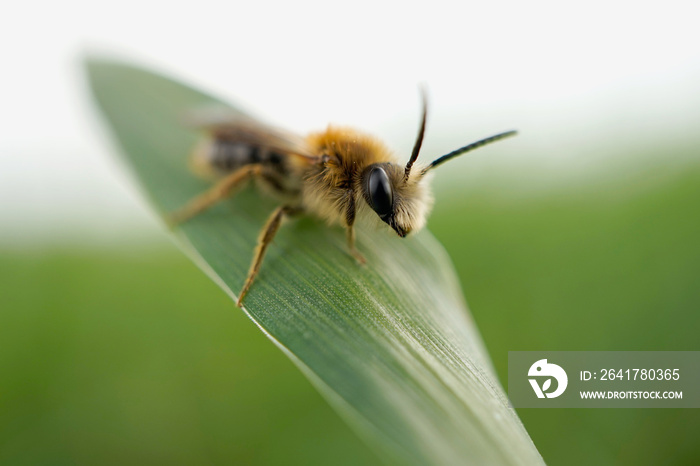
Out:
{"x": 380, "y": 196}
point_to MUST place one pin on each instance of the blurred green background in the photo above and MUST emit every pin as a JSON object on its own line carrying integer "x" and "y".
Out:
{"x": 129, "y": 354}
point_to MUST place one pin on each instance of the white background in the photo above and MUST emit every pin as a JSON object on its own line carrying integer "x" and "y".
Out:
{"x": 573, "y": 78}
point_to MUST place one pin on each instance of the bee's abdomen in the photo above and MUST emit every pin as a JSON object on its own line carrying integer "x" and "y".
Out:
{"x": 229, "y": 156}
{"x": 218, "y": 157}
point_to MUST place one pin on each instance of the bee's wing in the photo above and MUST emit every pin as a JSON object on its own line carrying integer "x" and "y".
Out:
{"x": 235, "y": 127}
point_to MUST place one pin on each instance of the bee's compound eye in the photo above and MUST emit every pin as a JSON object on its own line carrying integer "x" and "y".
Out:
{"x": 380, "y": 194}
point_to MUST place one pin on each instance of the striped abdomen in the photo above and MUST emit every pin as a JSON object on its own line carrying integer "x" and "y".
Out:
{"x": 229, "y": 156}
{"x": 222, "y": 156}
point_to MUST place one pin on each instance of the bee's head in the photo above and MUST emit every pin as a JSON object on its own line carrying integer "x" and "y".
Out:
{"x": 400, "y": 195}
{"x": 401, "y": 203}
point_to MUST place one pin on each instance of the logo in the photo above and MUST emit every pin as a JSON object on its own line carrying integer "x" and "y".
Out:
{"x": 543, "y": 369}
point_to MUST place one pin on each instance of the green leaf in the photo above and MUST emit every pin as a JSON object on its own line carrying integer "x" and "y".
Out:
{"x": 390, "y": 345}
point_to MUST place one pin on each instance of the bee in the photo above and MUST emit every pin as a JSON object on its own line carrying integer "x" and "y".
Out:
{"x": 338, "y": 175}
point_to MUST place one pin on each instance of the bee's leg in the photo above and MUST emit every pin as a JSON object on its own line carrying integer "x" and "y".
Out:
{"x": 266, "y": 235}
{"x": 350, "y": 220}
{"x": 218, "y": 192}
{"x": 353, "y": 250}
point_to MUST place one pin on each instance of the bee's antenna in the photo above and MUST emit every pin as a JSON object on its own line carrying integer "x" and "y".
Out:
{"x": 467, "y": 148}
{"x": 421, "y": 133}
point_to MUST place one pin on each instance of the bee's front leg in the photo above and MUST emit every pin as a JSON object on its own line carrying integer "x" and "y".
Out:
{"x": 350, "y": 220}
{"x": 351, "y": 245}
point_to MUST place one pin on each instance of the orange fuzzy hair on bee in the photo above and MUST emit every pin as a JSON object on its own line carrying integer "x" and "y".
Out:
{"x": 329, "y": 188}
